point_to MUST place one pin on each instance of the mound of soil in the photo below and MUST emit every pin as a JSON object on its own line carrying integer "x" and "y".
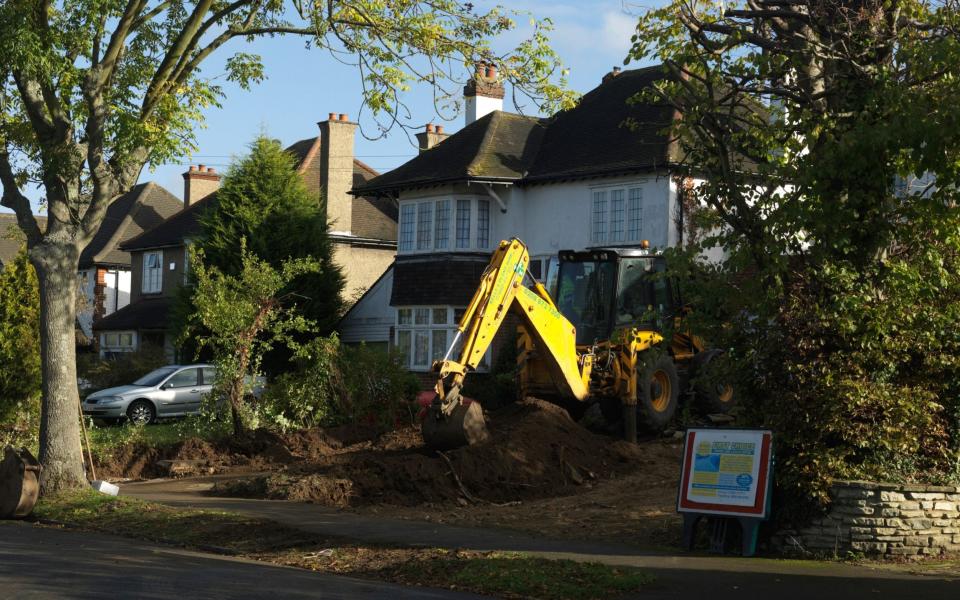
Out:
{"x": 535, "y": 451}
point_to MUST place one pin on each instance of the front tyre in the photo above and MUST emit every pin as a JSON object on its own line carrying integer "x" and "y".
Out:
{"x": 141, "y": 412}
{"x": 658, "y": 393}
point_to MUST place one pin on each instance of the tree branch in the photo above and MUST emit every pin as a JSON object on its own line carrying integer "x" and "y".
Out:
{"x": 13, "y": 198}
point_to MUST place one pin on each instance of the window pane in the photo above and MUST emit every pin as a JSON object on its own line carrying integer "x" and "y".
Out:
{"x": 616, "y": 216}
{"x": 404, "y": 316}
{"x": 424, "y": 225}
{"x": 112, "y": 339}
{"x": 439, "y": 316}
{"x": 463, "y": 223}
{"x": 439, "y": 343}
{"x": 483, "y": 223}
{"x": 634, "y": 220}
{"x": 403, "y": 346}
{"x": 185, "y": 378}
{"x": 598, "y": 231}
{"x": 209, "y": 375}
{"x": 126, "y": 339}
{"x": 407, "y": 218}
{"x": 458, "y": 314}
{"x": 421, "y": 348}
{"x": 442, "y": 232}
{"x": 535, "y": 268}
{"x": 422, "y": 316}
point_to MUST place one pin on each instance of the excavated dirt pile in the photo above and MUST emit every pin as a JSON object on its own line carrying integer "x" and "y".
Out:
{"x": 535, "y": 450}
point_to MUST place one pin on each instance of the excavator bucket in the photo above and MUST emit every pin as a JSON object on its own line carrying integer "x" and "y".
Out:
{"x": 19, "y": 483}
{"x": 464, "y": 426}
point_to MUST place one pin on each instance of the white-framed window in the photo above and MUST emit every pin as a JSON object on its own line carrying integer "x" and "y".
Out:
{"x": 616, "y": 215}
{"x": 152, "y": 272}
{"x": 424, "y": 225}
{"x": 424, "y": 333}
{"x": 441, "y": 233}
{"x": 407, "y": 222}
{"x": 445, "y": 224}
{"x": 117, "y": 341}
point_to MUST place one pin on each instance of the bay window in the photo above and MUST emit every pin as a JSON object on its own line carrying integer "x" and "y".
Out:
{"x": 423, "y": 335}
{"x": 447, "y": 224}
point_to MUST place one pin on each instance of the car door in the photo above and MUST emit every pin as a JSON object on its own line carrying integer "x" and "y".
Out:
{"x": 185, "y": 386}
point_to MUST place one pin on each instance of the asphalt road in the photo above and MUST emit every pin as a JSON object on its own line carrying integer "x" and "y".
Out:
{"x": 43, "y": 562}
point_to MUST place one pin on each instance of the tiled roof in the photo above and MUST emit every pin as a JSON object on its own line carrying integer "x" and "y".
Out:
{"x": 152, "y": 313}
{"x": 498, "y": 146}
{"x": 11, "y": 238}
{"x": 174, "y": 230}
{"x": 588, "y": 140}
{"x": 460, "y": 274}
{"x": 142, "y": 208}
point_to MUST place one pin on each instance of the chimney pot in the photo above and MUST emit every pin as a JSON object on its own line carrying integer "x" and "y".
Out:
{"x": 491, "y": 72}
{"x": 211, "y": 170}
{"x": 439, "y": 129}
{"x": 193, "y": 167}
{"x": 429, "y": 127}
{"x": 344, "y": 117}
{"x": 332, "y": 117}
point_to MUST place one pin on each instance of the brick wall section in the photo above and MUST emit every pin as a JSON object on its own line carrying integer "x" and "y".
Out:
{"x": 99, "y": 294}
{"x": 882, "y": 519}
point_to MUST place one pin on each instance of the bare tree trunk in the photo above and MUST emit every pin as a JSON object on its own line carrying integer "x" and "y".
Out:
{"x": 60, "y": 451}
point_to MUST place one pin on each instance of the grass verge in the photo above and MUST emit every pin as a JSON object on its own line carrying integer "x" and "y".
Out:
{"x": 505, "y": 575}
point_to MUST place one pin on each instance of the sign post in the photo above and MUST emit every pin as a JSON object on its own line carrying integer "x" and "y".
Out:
{"x": 726, "y": 473}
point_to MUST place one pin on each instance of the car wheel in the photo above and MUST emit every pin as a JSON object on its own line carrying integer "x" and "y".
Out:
{"x": 141, "y": 412}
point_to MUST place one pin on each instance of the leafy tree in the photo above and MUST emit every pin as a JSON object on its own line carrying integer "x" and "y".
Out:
{"x": 798, "y": 119}
{"x": 242, "y": 316}
{"x": 94, "y": 90}
{"x": 19, "y": 337}
{"x": 264, "y": 201}
{"x": 19, "y": 353}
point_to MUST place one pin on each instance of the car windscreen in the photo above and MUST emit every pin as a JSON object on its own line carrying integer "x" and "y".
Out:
{"x": 154, "y": 377}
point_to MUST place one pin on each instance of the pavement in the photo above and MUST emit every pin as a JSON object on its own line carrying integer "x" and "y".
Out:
{"x": 679, "y": 575}
{"x": 44, "y": 562}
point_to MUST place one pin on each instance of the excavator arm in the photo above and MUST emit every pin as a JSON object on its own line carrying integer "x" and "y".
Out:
{"x": 453, "y": 422}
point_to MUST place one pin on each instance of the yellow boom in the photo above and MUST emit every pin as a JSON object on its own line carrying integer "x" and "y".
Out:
{"x": 452, "y": 422}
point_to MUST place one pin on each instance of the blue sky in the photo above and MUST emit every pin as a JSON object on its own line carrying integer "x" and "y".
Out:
{"x": 303, "y": 86}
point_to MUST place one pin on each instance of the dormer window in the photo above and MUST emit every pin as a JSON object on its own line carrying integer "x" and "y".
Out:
{"x": 152, "y": 281}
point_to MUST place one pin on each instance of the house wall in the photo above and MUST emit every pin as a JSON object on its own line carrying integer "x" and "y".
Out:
{"x": 361, "y": 266}
{"x": 371, "y": 320}
{"x": 86, "y": 279}
{"x": 172, "y": 278}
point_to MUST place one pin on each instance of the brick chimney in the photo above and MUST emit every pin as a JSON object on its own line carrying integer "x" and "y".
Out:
{"x": 614, "y": 72}
{"x": 431, "y": 137}
{"x": 336, "y": 170}
{"x": 198, "y": 183}
{"x": 483, "y": 94}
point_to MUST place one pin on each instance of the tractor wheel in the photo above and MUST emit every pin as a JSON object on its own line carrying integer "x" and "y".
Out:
{"x": 713, "y": 394}
{"x": 658, "y": 392}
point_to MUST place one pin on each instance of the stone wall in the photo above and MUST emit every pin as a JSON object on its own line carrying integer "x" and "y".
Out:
{"x": 882, "y": 519}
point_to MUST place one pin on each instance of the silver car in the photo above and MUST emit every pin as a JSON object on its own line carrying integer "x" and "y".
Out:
{"x": 172, "y": 391}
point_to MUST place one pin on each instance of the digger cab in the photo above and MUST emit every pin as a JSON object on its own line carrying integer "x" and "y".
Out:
{"x": 604, "y": 290}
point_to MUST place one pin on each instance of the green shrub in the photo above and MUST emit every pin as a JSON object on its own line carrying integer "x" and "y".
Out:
{"x": 335, "y": 384}
{"x": 96, "y": 373}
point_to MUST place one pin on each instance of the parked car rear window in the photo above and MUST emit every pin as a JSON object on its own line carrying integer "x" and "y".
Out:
{"x": 209, "y": 375}
{"x": 154, "y": 377}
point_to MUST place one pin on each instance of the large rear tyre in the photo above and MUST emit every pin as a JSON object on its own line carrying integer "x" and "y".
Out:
{"x": 658, "y": 392}
{"x": 714, "y": 394}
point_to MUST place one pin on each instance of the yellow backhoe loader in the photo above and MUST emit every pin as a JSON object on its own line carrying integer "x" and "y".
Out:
{"x": 601, "y": 341}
